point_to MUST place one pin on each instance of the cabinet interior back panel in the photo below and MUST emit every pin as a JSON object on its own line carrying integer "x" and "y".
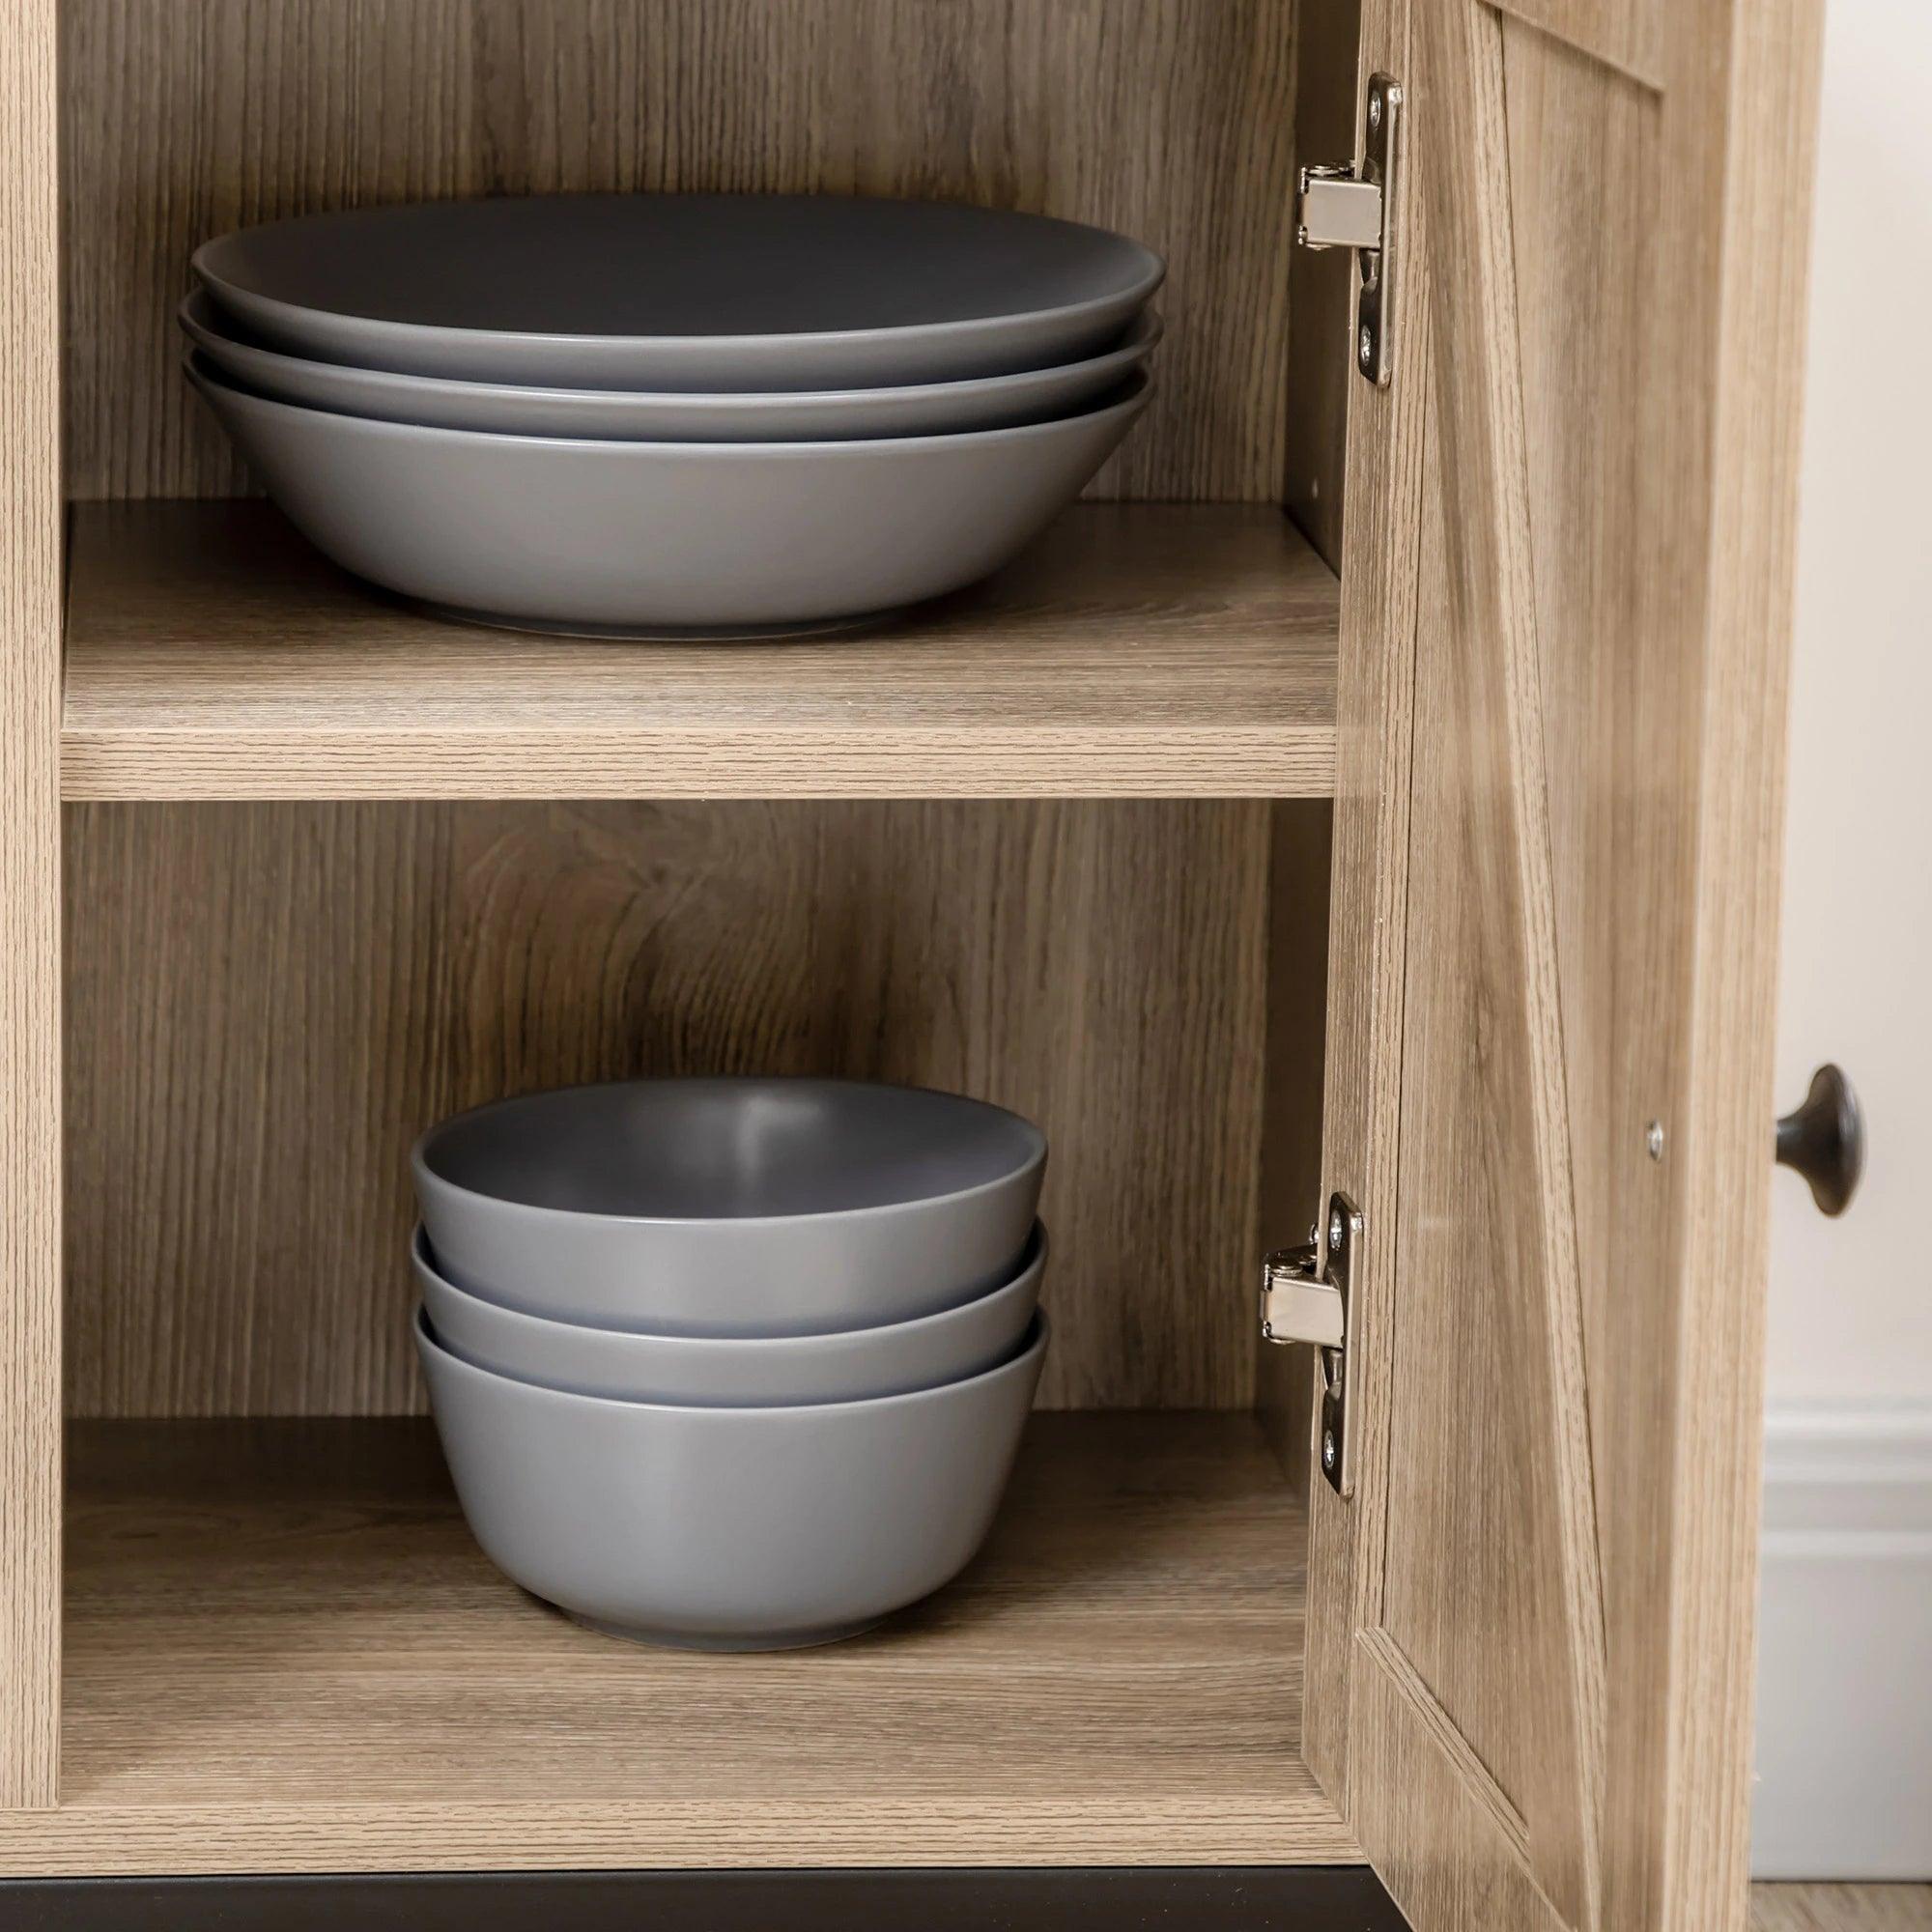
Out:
{"x": 267, "y": 1002}
{"x": 1165, "y": 118}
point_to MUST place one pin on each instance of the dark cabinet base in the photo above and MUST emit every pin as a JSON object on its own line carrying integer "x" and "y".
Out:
{"x": 1228, "y": 1898}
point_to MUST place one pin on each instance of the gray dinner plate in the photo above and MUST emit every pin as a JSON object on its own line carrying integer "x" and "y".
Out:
{"x": 729, "y": 1528}
{"x": 983, "y": 401}
{"x": 731, "y": 1206}
{"x": 683, "y": 291}
{"x": 662, "y": 538}
{"x": 733, "y": 1371}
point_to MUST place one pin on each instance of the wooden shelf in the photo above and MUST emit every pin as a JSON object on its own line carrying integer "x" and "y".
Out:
{"x": 1138, "y": 649}
{"x": 284, "y": 1653}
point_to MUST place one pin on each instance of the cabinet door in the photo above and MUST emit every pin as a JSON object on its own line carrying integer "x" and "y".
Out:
{"x": 1566, "y": 588}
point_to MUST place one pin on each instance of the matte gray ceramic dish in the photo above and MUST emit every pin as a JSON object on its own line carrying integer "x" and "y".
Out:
{"x": 729, "y": 1528}
{"x": 625, "y": 415}
{"x": 731, "y": 1206}
{"x": 683, "y": 291}
{"x": 663, "y": 539}
{"x": 735, "y": 1371}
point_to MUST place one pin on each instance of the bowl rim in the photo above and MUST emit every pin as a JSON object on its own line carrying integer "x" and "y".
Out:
{"x": 426, "y": 1176}
{"x": 1029, "y": 1351}
{"x": 1131, "y": 397}
{"x": 1032, "y": 1267}
{"x": 1144, "y": 285}
{"x": 200, "y": 318}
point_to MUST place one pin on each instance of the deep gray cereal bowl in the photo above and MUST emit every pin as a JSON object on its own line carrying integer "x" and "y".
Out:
{"x": 734, "y": 1371}
{"x": 663, "y": 539}
{"x": 734, "y": 1206}
{"x": 729, "y": 1528}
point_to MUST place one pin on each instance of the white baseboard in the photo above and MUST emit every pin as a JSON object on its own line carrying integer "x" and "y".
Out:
{"x": 1844, "y": 1691}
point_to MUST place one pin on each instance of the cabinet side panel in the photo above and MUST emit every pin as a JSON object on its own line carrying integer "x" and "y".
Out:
{"x": 1300, "y": 863}
{"x": 1322, "y": 283}
{"x": 30, "y": 1389}
{"x": 1169, "y": 120}
{"x": 270, "y": 1001}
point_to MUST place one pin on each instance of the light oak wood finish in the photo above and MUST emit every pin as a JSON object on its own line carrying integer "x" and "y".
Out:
{"x": 1300, "y": 866}
{"x": 1171, "y": 120}
{"x": 1721, "y": 1229}
{"x": 1548, "y": 1715}
{"x": 1322, "y": 282}
{"x": 286, "y": 1654}
{"x": 1841, "y": 1908}
{"x": 29, "y": 1098}
{"x": 1159, "y": 650}
{"x": 1368, "y": 933}
{"x": 268, "y": 1003}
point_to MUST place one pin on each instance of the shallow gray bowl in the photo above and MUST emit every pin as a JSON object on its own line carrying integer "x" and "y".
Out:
{"x": 683, "y": 291}
{"x": 731, "y": 1206}
{"x": 729, "y": 1528}
{"x": 663, "y": 539}
{"x": 734, "y": 1371}
{"x": 635, "y": 416}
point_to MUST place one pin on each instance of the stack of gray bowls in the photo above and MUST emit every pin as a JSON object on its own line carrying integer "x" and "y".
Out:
{"x": 731, "y": 1364}
{"x": 672, "y": 415}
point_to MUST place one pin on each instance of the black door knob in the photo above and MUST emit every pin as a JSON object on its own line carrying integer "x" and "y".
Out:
{"x": 1825, "y": 1140}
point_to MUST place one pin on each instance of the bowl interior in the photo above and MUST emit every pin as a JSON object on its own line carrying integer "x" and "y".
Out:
{"x": 678, "y": 265}
{"x": 730, "y": 1150}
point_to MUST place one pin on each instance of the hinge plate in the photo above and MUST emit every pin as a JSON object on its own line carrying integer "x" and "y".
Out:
{"x": 1305, "y": 1298}
{"x": 1338, "y": 210}
{"x": 1357, "y": 208}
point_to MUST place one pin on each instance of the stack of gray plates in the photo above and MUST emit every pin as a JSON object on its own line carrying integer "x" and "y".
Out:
{"x": 731, "y": 1364}
{"x": 671, "y": 414}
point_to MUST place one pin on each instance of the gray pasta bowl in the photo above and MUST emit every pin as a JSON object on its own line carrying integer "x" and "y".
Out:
{"x": 731, "y": 1206}
{"x": 664, "y": 539}
{"x": 734, "y": 1371}
{"x": 729, "y": 1528}
{"x": 645, "y": 416}
{"x": 706, "y": 291}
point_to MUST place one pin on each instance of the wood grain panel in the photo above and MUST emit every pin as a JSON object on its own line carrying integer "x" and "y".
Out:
{"x": 30, "y": 1096}
{"x": 1367, "y": 940}
{"x": 1628, "y": 35}
{"x": 185, "y": 118}
{"x": 1551, "y": 1696}
{"x": 1612, "y": 577}
{"x": 1761, "y": 234}
{"x": 268, "y": 1003}
{"x": 1322, "y": 282}
{"x": 1449, "y": 1845}
{"x": 316, "y": 1670}
{"x": 1300, "y": 872}
{"x": 1841, "y": 1908}
{"x": 1136, "y": 649}
{"x": 1498, "y": 1602}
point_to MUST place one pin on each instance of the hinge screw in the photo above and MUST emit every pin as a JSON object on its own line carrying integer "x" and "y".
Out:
{"x": 1329, "y": 1452}
{"x": 1653, "y": 1140}
{"x": 1368, "y": 348}
{"x": 1375, "y": 110}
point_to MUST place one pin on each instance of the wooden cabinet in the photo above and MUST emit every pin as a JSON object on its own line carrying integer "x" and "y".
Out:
{"x": 1420, "y": 847}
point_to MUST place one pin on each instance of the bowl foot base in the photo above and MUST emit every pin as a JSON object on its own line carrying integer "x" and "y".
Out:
{"x": 802, "y": 1639}
{"x": 664, "y": 634}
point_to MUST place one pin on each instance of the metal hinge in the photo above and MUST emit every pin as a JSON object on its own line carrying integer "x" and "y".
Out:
{"x": 1355, "y": 208}
{"x": 1305, "y": 1298}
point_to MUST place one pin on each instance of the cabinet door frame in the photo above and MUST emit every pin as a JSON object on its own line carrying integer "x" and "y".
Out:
{"x": 30, "y": 916}
{"x": 1652, "y": 1827}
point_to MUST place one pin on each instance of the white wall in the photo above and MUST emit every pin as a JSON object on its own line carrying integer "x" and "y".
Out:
{"x": 1851, "y": 1301}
